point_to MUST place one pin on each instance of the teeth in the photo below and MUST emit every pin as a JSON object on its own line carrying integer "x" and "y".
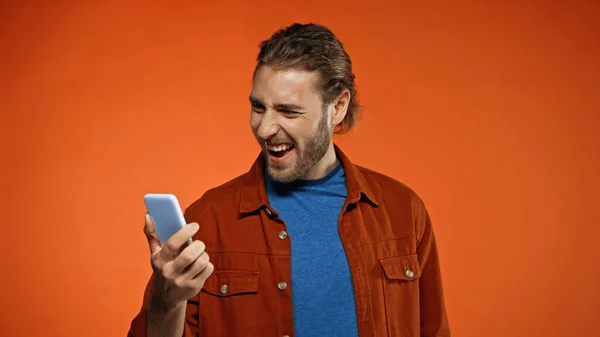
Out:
{"x": 279, "y": 148}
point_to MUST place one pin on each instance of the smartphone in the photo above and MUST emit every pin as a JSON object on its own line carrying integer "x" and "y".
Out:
{"x": 166, "y": 214}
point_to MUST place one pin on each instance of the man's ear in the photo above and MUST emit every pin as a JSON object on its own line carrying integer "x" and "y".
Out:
{"x": 340, "y": 107}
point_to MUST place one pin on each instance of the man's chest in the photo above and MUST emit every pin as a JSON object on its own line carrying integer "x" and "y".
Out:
{"x": 255, "y": 256}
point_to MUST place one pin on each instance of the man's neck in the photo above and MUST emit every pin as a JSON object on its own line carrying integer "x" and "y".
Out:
{"x": 324, "y": 166}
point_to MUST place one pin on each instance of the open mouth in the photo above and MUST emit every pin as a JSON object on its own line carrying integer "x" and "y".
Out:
{"x": 280, "y": 150}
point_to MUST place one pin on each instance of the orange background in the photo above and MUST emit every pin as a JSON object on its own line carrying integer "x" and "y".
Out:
{"x": 489, "y": 110}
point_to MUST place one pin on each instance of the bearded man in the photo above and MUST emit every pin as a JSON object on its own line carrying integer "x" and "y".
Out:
{"x": 306, "y": 243}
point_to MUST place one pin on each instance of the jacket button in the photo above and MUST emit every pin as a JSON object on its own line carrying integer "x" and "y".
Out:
{"x": 283, "y": 235}
{"x": 224, "y": 289}
{"x": 409, "y": 273}
{"x": 282, "y": 285}
{"x": 269, "y": 213}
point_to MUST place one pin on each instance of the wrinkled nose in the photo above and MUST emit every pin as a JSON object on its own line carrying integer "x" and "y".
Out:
{"x": 267, "y": 127}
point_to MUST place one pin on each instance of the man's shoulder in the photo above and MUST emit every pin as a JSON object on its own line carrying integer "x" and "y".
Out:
{"x": 388, "y": 188}
{"x": 225, "y": 194}
{"x": 400, "y": 201}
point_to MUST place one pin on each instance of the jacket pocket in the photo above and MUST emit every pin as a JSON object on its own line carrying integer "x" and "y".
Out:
{"x": 401, "y": 294}
{"x": 227, "y": 283}
{"x": 401, "y": 268}
{"x": 231, "y": 304}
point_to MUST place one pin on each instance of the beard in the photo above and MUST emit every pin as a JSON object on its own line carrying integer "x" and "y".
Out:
{"x": 307, "y": 157}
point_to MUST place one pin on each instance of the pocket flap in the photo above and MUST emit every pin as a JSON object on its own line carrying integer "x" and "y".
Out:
{"x": 232, "y": 282}
{"x": 401, "y": 267}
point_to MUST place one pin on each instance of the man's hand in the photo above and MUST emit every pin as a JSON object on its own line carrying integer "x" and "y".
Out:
{"x": 180, "y": 270}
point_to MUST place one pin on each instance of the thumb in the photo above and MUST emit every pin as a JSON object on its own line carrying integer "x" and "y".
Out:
{"x": 151, "y": 235}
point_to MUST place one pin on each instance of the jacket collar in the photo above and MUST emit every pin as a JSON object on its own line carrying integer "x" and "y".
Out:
{"x": 254, "y": 192}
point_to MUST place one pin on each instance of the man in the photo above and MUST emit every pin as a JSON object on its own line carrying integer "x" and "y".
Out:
{"x": 306, "y": 243}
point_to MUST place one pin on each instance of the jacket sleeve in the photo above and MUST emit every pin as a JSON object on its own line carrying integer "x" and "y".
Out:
{"x": 138, "y": 324}
{"x": 434, "y": 320}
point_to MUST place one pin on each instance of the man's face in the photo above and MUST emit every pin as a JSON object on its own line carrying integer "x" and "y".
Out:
{"x": 288, "y": 122}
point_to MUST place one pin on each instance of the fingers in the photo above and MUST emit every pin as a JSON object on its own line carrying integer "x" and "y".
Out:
{"x": 189, "y": 256}
{"x": 198, "y": 266}
{"x": 193, "y": 285}
{"x": 175, "y": 244}
{"x": 191, "y": 263}
{"x": 151, "y": 235}
{"x": 205, "y": 273}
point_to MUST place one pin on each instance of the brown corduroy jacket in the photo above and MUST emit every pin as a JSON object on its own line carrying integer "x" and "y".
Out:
{"x": 386, "y": 232}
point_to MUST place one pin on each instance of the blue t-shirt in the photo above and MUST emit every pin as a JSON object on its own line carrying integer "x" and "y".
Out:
{"x": 322, "y": 292}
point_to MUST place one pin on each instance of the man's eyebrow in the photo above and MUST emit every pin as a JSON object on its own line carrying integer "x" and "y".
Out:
{"x": 288, "y": 107}
{"x": 256, "y": 102}
{"x": 279, "y": 106}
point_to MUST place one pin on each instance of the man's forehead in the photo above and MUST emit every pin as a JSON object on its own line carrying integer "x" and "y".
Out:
{"x": 283, "y": 86}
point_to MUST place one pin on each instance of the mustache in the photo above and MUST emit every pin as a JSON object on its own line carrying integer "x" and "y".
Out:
{"x": 276, "y": 141}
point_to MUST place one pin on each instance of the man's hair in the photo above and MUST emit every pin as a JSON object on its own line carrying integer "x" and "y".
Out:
{"x": 313, "y": 47}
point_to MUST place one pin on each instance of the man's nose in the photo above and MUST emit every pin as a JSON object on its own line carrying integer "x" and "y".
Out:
{"x": 267, "y": 126}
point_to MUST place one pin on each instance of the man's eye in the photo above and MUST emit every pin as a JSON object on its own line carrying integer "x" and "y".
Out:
{"x": 258, "y": 109}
